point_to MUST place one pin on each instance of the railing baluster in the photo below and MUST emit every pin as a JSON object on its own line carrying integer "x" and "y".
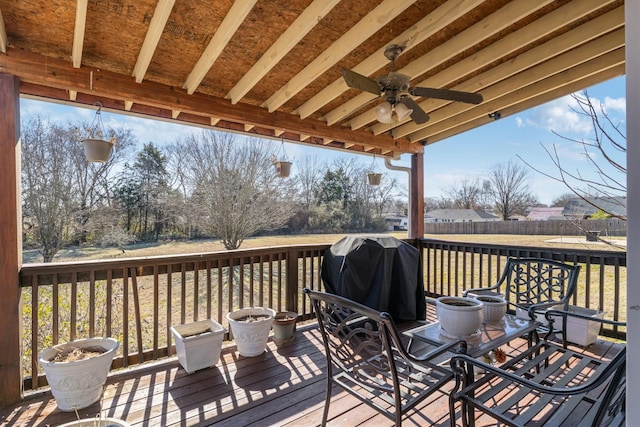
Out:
{"x": 92, "y": 303}
{"x": 74, "y": 306}
{"x": 35, "y": 349}
{"x": 125, "y": 317}
{"x": 156, "y": 310}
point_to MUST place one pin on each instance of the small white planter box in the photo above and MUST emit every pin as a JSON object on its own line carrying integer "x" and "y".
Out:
{"x": 581, "y": 331}
{"x": 198, "y": 344}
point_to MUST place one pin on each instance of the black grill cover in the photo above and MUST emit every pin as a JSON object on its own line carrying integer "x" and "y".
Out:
{"x": 380, "y": 272}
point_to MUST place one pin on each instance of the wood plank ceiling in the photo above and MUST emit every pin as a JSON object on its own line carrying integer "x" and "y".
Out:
{"x": 274, "y": 67}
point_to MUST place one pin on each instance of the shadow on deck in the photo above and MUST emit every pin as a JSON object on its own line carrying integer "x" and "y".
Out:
{"x": 283, "y": 387}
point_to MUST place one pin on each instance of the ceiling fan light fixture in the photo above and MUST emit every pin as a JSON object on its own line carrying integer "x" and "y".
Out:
{"x": 383, "y": 112}
{"x": 402, "y": 111}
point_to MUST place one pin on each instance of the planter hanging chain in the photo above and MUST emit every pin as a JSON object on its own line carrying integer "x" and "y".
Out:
{"x": 284, "y": 153}
{"x": 96, "y": 130}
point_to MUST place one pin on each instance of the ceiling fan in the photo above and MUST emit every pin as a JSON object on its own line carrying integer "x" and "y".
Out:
{"x": 395, "y": 88}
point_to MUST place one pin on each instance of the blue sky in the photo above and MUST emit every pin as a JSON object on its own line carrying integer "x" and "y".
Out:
{"x": 465, "y": 156}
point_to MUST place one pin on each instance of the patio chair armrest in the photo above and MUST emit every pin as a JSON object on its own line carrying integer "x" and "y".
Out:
{"x": 457, "y": 347}
{"x": 463, "y": 365}
{"x": 552, "y": 316}
{"x": 483, "y": 289}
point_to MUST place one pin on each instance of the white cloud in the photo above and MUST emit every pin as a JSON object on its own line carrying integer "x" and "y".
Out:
{"x": 519, "y": 122}
{"x": 615, "y": 104}
{"x": 558, "y": 116}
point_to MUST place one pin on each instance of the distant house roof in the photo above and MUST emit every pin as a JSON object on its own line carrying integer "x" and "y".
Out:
{"x": 577, "y": 207}
{"x": 536, "y": 213}
{"x": 461, "y": 215}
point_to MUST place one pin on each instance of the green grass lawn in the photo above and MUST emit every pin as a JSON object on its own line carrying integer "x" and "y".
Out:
{"x": 214, "y": 245}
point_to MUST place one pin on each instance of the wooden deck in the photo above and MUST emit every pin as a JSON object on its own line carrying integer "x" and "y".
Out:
{"x": 283, "y": 387}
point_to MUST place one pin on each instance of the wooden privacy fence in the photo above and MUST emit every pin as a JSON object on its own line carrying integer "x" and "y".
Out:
{"x": 137, "y": 300}
{"x": 606, "y": 227}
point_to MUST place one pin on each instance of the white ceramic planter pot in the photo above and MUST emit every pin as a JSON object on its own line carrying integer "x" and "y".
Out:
{"x": 459, "y": 316}
{"x": 493, "y": 308}
{"x": 78, "y": 384}
{"x": 198, "y": 344}
{"x": 251, "y": 334}
{"x": 284, "y": 325}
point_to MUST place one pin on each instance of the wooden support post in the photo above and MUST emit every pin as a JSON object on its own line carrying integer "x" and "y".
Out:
{"x": 416, "y": 216}
{"x": 291, "y": 288}
{"x": 10, "y": 242}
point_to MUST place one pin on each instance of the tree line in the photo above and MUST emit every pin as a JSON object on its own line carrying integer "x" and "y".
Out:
{"x": 206, "y": 185}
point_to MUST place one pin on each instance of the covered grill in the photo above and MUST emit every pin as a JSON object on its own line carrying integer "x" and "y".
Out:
{"x": 381, "y": 272}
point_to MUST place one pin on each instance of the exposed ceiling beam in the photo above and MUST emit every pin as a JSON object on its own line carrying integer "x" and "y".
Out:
{"x": 73, "y": 95}
{"x": 579, "y": 35}
{"x": 3, "y": 35}
{"x": 151, "y": 39}
{"x": 510, "y": 80}
{"x": 540, "y": 99}
{"x": 478, "y": 32}
{"x": 365, "y": 28}
{"x": 530, "y": 76}
{"x": 78, "y": 32}
{"x": 416, "y": 34}
{"x": 214, "y": 121}
{"x": 55, "y": 73}
{"x": 548, "y": 84}
{"x": 225, "y": 31}
{"x": 306, "y": 21}
{"x": 128, "y": 105}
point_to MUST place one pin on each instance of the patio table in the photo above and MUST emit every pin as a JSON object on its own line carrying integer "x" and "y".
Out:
{"x": 488, "y": 338}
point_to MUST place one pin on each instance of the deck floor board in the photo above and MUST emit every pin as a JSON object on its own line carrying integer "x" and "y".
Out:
{"x": 283, "y": 387}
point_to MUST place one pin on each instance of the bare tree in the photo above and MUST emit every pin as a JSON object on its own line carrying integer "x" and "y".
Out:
{"x": 308, "y": 178}
{"x": 510, "y": 189}
{"x": 562, "y": 200}
{"x": 47, "y": 184}
{"x": 62, "y": 191}
{"x": 383, "y": 195}
{"x": 234, "y": 186}
{"x": 466, "y": 194}
{"x": 609, "y": 142}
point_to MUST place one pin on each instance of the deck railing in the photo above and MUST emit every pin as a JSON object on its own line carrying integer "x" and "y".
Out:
{"x": 137, "y": 300}
{"x": 451, "y": 267}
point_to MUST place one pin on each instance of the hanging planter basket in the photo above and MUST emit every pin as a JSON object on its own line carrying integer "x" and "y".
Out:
{"x": 374, "y": 178}
{"x": 96, "y": 148}
{"x": 283, "y": 168}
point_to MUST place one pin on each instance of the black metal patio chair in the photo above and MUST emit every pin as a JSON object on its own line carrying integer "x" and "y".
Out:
{"x": 548, "y": 384}
{"x": 535, "y": 285}
{"x": 367, "y": 359}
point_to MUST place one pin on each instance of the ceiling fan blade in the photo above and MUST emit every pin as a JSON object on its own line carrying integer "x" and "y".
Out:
{"x": 418, "y": 115}
{"x": 360, "y": 82}
{"x": 449, "y": 95}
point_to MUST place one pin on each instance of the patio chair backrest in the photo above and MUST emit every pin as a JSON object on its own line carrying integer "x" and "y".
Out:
{"x": 538, "y": 282}
{"x": 366, "y": 357}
